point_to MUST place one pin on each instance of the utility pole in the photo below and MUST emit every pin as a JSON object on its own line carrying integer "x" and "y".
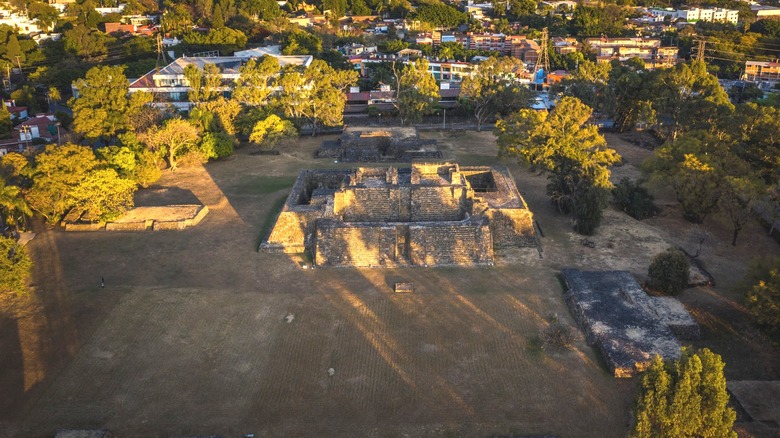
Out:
{"x": 160, "y": 52}
{"x": 700, "y": 50}
{"x": 543, "y": 62}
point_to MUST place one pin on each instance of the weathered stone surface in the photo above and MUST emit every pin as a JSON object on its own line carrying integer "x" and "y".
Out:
{"x": 366, "y": 144}
{"x": 429, "y": 214}
{"x": 625, "y": 324}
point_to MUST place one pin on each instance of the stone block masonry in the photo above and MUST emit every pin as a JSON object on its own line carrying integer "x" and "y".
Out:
{"x": 625, "y": 324}
{"x": 429, "y": 214}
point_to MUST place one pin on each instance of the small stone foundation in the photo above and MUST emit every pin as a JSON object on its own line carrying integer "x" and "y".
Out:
{"x": 363, "y": 144}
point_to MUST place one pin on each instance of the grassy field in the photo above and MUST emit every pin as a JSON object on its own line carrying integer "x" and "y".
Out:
{"x": 189, "y": 335}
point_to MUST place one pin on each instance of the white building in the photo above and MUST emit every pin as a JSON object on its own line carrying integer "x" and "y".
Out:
{"x": 23, "y": 24}
{"x": 169, "y": 85}
{"x": 697, "y": 14}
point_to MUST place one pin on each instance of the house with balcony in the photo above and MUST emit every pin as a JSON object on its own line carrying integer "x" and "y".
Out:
{"x": 764, "y": 73}
{"x": 649, "y": 50}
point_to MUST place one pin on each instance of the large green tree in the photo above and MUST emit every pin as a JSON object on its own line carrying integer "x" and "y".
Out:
{"x": 316, "y": 95}
{"x": 103, "y": 108}
{"x": 172, "y": 140}
{"x": 255, "y": 82}
{"x": 687, "y": 398}
{"x": 416, "y": 91}
{"x": 694, "y": 165}
{"x": 494, "y": 89}
{"x": 86, "y": 43}
{"x": 688, "y": 97}
{"x": 205, "y": 84}
{"x": 15, "y": 266}
{"x": 572, "y": 151}
{"x": 13, "y": 206}
{"x": 69, "y": 180}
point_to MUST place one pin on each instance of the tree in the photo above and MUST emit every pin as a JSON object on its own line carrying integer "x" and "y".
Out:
{"x": 416, "y": 91}
{"x": 269, "y": 131}
{"x": 56, "y": 175}
{"x": 53, "y": 95}
{"x": 44, "y": 14}
{"x": 633, "y": 199}
{"x": 669, "y": 271}
{"x": 15, "y": 266}
{"x": 763, "y": 293}
{"x": 173, "y": 140}
{"x": 590, "y": 84}
{"x": 689, "y": 97}
{"x": 494, "y": 89}
{"x": 177, "y": 20}
{"x": 102, "y": 195}
{"x": 204, "y": 84}
{"x": 216, "y": 115}
{"x": 315, "y": 95}
{"x": 13, "y": 207}
{"x": 132, "y": 160}
{"x": 439, "y": 14}
{"x": 215, "y": 145}
{"x": 255, "y": 81}
{"x": 299, "y": 42}
{"x": 685, "y": 399}
{"x": 86, "y": 43}
{"x": 694, "y": 164}
{"x": 6, "y": 126}
{"x": 739, "y": 197}
{"x": 574, "y": 153}
{"x": 102, "y": 107}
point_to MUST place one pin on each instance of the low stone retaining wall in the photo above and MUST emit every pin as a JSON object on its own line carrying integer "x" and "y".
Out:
{"x": 166, "y": 217}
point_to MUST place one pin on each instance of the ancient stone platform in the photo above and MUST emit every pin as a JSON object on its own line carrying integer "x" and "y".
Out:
{"x": 626, "y": 325}
{"x": 428, "y": 214}
{"x": 365, "y": 144}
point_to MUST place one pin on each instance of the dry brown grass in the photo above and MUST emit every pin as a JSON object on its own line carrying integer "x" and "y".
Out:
{"x": 188, "y": 336}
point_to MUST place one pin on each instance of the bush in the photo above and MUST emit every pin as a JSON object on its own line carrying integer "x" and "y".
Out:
{"x": 589, "y": 210}
{"x": 763, "y": 294}
{"x": 669, "y": 272}
{"x": 216, "y": 145}
{"x": 634, "y": 200}
{"x": 557, "y": 335}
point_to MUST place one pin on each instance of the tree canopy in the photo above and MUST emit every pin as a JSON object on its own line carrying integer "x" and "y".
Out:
{"x": 572, "y": 151}
{"x": 417, "y": 92}
{"x": 494, "y": 89}
{"x": 686, "y": 398}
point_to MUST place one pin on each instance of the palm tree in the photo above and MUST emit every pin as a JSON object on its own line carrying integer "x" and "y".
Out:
{"x": 53, "y": 95}
{"x": 12, "y": 205}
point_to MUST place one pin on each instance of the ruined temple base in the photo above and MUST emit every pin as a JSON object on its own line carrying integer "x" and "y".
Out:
{"x": 625, "y": 324}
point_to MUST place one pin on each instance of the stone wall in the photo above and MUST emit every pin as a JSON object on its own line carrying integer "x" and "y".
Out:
{"x": 438, "y": 203}
{"x": 341, "y": 244}
{"x": 369, "y": 204}
{"x": 455, "y": 243}
{"x": 512, "y": 227}
{"x": 361, "y": 245}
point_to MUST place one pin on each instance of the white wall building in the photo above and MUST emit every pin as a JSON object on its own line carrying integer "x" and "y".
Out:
{"x": 697, "y": 14}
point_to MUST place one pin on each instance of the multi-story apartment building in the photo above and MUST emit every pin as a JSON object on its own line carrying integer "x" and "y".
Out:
{"x": 510, "y": 45}
{"x": 697, "y": 14}
{"x": 762, "y": 71}
{"x": 648, "y": 50}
